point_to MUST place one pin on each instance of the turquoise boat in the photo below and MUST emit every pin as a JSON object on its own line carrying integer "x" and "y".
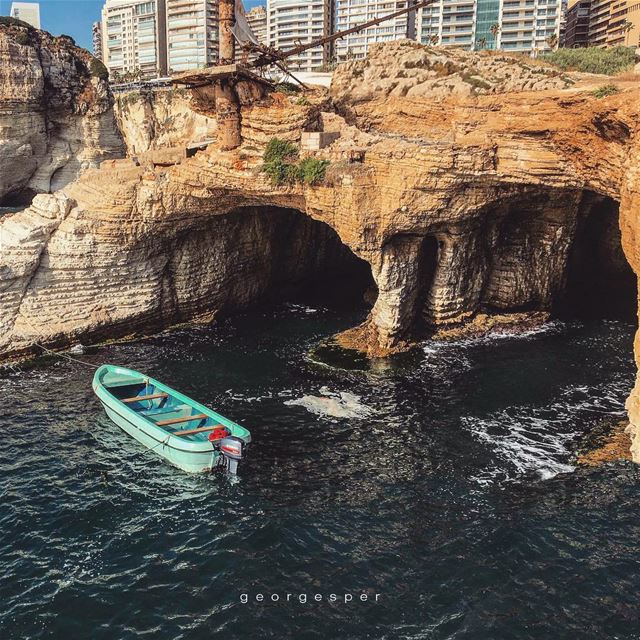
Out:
{"x": 177, "y": 428}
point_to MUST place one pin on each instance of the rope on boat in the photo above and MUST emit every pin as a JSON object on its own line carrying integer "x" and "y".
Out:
{"x": 60, "y": 355}
{"x": 63, "y": 355}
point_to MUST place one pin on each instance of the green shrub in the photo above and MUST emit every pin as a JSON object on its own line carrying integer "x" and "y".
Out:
{"x": 605, "y": 90}
{"x": 276, "y": 170}
{"x": 8, "y": 21}
{"x": 592, "y": 59}
{"x": 303, "y": 101}
{"x": 312, "y": 170}
{"x": 278, "y": 149}
{"x": 98, "y": 70}
{"x": 281, "y": 164}
{"x": 293, "y": 173}
{"x": 287, "y": 87}
{"x": 23, "y": 38}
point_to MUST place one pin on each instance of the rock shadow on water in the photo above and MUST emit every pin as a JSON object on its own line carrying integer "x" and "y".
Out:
{"x": 332, "y": 355}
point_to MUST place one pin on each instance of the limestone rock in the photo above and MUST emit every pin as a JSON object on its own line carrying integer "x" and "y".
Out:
{"x": 405, "y": 68}
{"x": 162, "y": 118}
{"x": 55, "y": 116}
{"x": 460, "y": 205}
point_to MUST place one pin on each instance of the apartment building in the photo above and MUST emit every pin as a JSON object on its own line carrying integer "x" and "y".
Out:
{"x": 192, "y": 34}
{"x": 27, "y": 12}
{"x": 599, "y": 15}
{"x": 577, "y": 25}
{"x": 96, "y": 33}
{"x": 133, "y": 37}
{"x": 350, "y": 13}
{"x": 257, "y": 19}
{"x": 294, "y": 22}
{"x": 513, "y": 25}
{"x": 611, "y": 23}
{"x": 624, "y": 24}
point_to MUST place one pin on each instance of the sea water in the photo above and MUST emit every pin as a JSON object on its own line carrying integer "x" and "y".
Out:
{"x": 441, "y": 485}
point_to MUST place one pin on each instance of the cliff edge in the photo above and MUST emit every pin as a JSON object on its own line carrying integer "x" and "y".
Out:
{"x": 56, "y": 116}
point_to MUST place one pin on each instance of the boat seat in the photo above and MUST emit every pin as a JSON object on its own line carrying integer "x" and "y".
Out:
{"x": 151, "y": 396}
{"x": 198, "y": 416}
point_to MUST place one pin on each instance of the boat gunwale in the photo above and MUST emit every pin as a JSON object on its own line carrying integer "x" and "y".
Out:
{"x": 158, "y": 434}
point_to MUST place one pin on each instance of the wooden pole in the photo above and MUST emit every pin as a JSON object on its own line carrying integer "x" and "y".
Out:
{"x": 227, "y": 19}
{"x": 227, "y": 115}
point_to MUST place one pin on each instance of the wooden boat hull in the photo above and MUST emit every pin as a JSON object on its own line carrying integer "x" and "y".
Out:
{"x": 195, "y": 454}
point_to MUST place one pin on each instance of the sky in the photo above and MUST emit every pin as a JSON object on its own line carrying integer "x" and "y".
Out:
{"x": 75, "y": 17}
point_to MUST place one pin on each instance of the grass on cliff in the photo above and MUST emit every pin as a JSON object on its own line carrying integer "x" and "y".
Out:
{"x": 8, "y": 21}
{"x": 98, "y": 69}
{"x": 592, "y": 60}
{"x": 281, "y": 163}
{"x": 605, "y": 90}
{"x": 288, "y": 87}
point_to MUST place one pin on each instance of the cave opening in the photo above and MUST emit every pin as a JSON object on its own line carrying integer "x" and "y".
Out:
{"x": 427, "y": 265}
{"x": 599, "y": 280}
{"x": 541, "y": 250}
{"x": 311, "y": 264}
{"x": 262, "y": 255}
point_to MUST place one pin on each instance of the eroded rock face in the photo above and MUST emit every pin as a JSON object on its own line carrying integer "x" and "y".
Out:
{"x": 461, "y": 206}
{"x": 404, "y": 68}
{"x": 158, "y": 119}
{"x": 55, "y": 116}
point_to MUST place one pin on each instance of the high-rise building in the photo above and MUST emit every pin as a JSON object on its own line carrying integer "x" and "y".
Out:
{"x": 27, "y": 12}
{"x": 192, "y": 34}
{"x": 623, "y": 29}
{"x": 257, "y": 19}
{"x": 599, "y": 15}
{"x": 608, "y": 23}
{"x": 96, "y": 30}
{"x": 133, "y": 37}
{"x": 576, "y": 32}
{"x": 513, "y": 25}
{"x": 350, "y": 13}
{"x": 294, "y": 22}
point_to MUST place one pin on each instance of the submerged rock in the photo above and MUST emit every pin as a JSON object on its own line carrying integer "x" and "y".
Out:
{"x": 335, "y": 405}
{"x": 613, "y": 446}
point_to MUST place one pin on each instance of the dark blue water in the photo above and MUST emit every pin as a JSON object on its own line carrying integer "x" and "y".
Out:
{"x": 449, "y": 497}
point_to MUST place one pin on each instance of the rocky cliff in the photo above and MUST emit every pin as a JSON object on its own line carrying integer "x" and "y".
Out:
{"x": 55, "y": 112}
{"x": 502, "y": 200}
{"x": 157, "y": 119}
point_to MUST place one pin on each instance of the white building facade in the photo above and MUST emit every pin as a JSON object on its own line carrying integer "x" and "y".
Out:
{"x": 350, "y": 13}
{"x": 192, "y": 34}
{"x": 133, "y": 37}
{"x": 257, "y": 20}
{"x": 522, "y": 25}
{"x": 28, "y": 12}
{"x": 294, "y": 22}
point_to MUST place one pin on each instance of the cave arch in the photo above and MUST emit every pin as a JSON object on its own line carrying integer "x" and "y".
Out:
{"x": 599, "y": 279}
{"x": 258, "y": 254}
{"x": 536, "y": 249}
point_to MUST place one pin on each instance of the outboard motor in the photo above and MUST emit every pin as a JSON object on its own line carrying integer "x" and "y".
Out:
{"x": 231, "y": 448}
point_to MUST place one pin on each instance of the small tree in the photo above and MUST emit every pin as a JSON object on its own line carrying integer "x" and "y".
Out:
{"x": 434, "y": 39}
{"x": 495, "y": 30}
{"x": 552, "y": 41}
{"x": 482, "y": 42}
{"x": 627, "y": 26}
{"x": 98, "y": 70}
